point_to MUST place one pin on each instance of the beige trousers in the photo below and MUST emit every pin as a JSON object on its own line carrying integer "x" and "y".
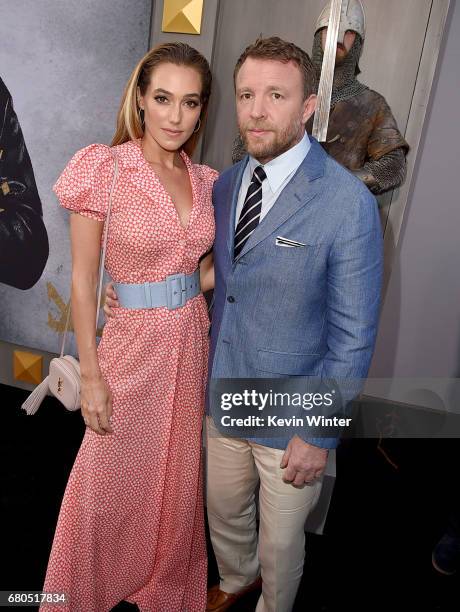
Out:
{"x": 234, "y": 468}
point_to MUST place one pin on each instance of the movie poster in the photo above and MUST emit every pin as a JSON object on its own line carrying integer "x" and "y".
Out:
{"x": 63, "y": 67}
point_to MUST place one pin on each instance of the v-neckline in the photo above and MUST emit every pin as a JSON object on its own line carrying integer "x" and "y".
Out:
{"x": 187, "y": 163}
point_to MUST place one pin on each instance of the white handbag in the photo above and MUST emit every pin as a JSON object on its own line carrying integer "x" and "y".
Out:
{"x": 64, "y": 378}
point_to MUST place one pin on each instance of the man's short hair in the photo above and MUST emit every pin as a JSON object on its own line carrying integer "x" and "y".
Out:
{"x": 274, "y": 48}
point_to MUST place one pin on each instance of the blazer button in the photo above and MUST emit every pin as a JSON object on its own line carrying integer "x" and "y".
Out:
{"x": 230, "y": 299}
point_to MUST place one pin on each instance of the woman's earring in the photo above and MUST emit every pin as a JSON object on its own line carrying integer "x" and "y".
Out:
{"x": 141, "y": 117}
{"x": 198, "y": 126}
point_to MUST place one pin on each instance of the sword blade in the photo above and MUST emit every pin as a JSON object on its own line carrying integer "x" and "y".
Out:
{"x": 323, "y": 107}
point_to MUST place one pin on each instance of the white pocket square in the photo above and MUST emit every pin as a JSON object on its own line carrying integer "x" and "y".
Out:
{"x": 287, "y": 242}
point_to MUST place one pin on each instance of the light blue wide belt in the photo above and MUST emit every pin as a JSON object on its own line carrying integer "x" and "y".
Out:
{"x": 174, "y": 292}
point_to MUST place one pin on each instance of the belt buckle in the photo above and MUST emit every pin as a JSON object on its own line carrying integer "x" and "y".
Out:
{"x": 176, "y": 295}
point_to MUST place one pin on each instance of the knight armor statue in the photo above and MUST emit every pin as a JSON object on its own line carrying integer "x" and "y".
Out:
{"x": 362, "y": 134}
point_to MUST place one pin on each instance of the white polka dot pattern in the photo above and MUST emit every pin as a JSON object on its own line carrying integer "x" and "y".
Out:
{"x": 131, "y": 523}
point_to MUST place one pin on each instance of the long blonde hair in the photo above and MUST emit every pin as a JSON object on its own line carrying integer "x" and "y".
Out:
{"x": 129, "y": 126}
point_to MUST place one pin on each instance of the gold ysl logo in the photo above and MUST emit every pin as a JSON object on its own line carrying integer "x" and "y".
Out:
{"x": 60, "y": 384}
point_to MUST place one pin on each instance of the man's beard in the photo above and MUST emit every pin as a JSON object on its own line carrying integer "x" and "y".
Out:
{"x": 283, "y": 141}
{"x": 340, "y": 59}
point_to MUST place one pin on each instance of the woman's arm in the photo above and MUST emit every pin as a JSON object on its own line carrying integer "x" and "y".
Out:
{"x": 96, "y": 401}
{"x": 207, "y": 273}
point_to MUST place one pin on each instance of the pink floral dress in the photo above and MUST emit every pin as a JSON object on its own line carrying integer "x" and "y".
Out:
{"x": 131, "y": 523}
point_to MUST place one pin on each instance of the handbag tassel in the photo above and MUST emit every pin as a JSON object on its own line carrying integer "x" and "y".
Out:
{"x": 33, "y": 402}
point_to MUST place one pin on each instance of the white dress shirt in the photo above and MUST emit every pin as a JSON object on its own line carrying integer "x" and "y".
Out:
{"x": 279, "y": 172}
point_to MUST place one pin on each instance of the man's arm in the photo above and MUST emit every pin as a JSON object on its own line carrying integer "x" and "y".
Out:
{"x": 23, "y": 238}
{"x": 354, "y": 281}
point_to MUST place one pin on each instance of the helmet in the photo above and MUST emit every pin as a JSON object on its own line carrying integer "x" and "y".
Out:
{"x": 352, "y": 18}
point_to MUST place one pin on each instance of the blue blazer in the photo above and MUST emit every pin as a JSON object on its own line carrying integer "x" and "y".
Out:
{"x": 304, "y": 311}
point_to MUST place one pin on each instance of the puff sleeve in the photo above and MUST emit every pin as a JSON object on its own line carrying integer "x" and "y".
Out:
{"x": 84, "y": 185}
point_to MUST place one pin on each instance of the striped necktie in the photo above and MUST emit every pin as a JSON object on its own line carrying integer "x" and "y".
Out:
{"x": 250, "y": 213}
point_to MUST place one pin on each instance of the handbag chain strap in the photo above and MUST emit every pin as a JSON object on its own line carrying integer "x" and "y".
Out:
{"x": 102, "y": 263}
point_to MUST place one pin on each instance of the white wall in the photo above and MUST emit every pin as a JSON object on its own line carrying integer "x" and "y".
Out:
{"x": 419, "y": 333}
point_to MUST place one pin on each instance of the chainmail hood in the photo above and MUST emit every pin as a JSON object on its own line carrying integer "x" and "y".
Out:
{"x": 345, "y": 84}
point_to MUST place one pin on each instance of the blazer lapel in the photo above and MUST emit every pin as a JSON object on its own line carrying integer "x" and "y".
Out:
{"x": 232, "y": 201}
{"x": 300, "y": 190}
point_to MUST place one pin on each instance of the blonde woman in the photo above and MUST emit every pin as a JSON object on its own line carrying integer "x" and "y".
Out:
{"x": 131, "y": 522}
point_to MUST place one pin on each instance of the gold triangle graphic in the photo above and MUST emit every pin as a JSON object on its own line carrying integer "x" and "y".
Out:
{"x": 27, "y": 367}
{"x": 194, "y": 11}
{"x": 183, "y": 17}
{"x": 180, "y": 24}
{"x": 171, "y": 8}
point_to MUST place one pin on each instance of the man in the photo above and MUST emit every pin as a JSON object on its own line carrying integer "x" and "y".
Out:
{"x": 301, "y": 310}
{"x": 23, "y": 238}
{"x": 363, "y": 135}
{"x": 280, "y": 310}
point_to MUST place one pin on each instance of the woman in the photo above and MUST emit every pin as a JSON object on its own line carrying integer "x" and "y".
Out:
{"x": 131, "y": 523}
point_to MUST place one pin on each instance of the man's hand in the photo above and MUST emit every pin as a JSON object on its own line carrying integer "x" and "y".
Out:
{"x": 303, "y": 462}
{"x": 110, "y": 300}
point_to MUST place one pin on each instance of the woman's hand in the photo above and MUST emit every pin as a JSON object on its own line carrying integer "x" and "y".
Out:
{"x": 96, "y": 404}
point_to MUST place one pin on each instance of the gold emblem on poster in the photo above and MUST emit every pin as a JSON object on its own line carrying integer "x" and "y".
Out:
{"x": 58, "y": 324}
{"x": 27, "y": 367}
{"x": 182, "y": 16}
